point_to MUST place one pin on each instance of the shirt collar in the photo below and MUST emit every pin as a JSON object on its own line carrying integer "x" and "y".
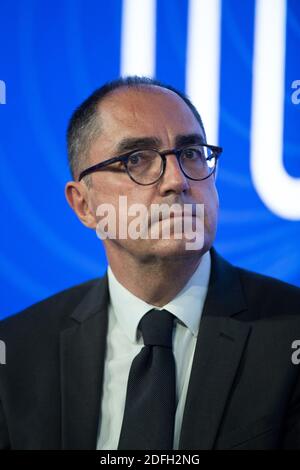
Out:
{"x": 187, "y": 305}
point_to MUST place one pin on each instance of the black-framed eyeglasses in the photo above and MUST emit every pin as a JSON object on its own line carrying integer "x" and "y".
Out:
{"x": 146, "y": 166}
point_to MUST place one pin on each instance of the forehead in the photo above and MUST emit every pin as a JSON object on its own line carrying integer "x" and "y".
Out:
{"x": 146, "y": 111}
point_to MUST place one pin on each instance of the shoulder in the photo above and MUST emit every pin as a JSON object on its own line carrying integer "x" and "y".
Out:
{"x": 262, "y": 284}
{"x": 51, "y": 312}
{"x": 262, "y": 296}
{"x": 270, "y": 294}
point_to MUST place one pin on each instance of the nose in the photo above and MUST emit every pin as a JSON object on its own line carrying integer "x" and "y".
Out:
{"x": 173, "y": 179}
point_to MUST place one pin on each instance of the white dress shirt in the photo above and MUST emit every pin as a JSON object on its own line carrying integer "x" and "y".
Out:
{"x": 124, "y": 342}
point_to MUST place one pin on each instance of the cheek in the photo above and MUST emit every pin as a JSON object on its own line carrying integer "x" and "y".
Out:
{"x": 96, "y": 200}
{"x": 211, "y": 212}
{"x": 214, "y": 198}
{"x": 121, "y": 199}
{"x": 212, "y": 207}
{"x": 206, "y": 193}
{"x": 106, "y": 191}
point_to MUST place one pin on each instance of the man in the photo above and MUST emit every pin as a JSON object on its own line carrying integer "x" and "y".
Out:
{"x": 172, "y": 348}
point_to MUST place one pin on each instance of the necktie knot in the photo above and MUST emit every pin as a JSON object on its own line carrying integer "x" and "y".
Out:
{"x": 157, "y": 328}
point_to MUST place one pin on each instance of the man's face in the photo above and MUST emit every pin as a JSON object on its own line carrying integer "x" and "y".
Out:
{"x": 156, "y": 113}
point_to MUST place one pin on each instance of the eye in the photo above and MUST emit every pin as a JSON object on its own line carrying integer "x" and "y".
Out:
{"x": 135, "y": 159}
{"x": 144, "y": 157}
{"x": 192, "y": 154}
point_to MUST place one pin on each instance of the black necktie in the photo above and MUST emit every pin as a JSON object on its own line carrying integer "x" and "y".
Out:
{"x": 149, "y": 415}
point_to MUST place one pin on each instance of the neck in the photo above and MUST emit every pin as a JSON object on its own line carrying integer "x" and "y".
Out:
{"x": 156, "y": 281}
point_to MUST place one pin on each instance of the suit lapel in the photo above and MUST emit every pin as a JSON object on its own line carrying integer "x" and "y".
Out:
{"x": 82, "y": 350}
{"x": 220, "y": 344}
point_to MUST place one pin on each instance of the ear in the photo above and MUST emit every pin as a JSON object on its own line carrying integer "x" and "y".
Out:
{"x": 77, "y": 195}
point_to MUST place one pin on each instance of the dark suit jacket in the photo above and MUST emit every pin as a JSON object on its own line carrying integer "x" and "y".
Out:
{"x": 244, "y": 390}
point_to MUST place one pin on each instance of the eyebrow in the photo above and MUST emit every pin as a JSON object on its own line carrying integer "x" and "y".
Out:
{"x": 129, "y": 144}
{"x": 189, "y": 139}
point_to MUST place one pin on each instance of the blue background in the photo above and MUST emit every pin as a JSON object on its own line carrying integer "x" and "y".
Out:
{"x": 52, "y": 56}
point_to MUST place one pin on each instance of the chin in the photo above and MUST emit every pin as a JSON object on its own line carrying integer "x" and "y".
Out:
{"x": 176, "y": 248}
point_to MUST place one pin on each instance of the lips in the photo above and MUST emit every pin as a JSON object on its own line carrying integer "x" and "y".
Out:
{"x": 180, "y": 215}
{"x": 183, "y": 212}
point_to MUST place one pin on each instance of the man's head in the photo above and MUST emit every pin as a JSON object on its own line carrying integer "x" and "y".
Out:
{"x": 112, "y": 118}
{"x": 84, "y": 124}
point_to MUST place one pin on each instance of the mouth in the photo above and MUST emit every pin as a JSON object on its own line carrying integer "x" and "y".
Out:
{"x": 180, "y": 215}
{"x": 188, "y": 211}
